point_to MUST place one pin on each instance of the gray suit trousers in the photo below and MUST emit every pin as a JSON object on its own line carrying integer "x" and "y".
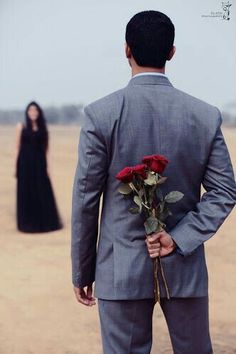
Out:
{"x": 126, "y": 325}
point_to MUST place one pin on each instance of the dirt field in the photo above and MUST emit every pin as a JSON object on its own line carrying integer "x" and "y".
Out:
{"x": 38, "y": 310}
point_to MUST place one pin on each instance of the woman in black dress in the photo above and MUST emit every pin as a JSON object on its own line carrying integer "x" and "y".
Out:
{"x": 36, "y": 205}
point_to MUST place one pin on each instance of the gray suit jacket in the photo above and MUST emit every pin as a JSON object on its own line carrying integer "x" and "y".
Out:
{"x": 148, "y": 116}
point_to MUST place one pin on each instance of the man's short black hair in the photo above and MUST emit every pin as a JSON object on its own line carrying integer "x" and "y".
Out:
{"x": 150, "y": 36}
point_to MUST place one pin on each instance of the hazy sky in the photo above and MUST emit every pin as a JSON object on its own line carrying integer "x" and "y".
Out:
{"x": 72, "y": 51}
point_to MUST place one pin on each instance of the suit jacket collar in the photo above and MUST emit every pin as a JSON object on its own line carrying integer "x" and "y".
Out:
{"x": 150, "y": 80}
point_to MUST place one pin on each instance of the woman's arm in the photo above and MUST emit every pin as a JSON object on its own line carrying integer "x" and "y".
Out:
{"x": 19, "y": 127}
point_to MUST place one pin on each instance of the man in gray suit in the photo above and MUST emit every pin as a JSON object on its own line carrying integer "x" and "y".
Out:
{"x": 149, "y": 116}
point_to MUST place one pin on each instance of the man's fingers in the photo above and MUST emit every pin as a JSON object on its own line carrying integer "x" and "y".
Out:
{"x": 90, "y": 292}
{"x": 154, "y": 254}
{"x": 154, "y": 237}
{"x": 80, "y": 296}
{"x": 83, "y": 298}
{"x": 154, "y": 249}
{"x": 160, "y": 244}
{"x": 156, "y": 245}
{"x": 153, "y": 245}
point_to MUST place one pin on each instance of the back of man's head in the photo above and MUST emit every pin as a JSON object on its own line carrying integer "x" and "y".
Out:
{"x": 150, "y": 37}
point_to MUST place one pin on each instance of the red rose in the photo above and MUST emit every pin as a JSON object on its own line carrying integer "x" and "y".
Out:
{"x": 128, "y": 173}
{"x": 125, "y": 175}
{"x": 156, "y": 163}
{"x": 140, "y": 170}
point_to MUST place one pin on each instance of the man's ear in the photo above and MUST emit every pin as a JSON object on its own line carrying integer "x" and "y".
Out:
{"x": 127, "y": 51}
{"x": 172, "y": 52}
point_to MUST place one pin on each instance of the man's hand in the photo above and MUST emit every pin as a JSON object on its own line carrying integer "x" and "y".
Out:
{"x": 85, "y": 297}
{"x": 160, "y": 244}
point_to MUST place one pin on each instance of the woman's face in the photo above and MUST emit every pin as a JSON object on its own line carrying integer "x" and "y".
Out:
{"x": 33, "y": 112}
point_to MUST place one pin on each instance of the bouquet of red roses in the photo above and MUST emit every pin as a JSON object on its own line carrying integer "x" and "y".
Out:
{"x": 142, "y": 183}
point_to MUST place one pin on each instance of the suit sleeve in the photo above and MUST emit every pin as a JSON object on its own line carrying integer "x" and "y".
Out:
{"x": 216, "y": 203}
{"x": 179, "y": 251}
{"x": 89, "y": 180}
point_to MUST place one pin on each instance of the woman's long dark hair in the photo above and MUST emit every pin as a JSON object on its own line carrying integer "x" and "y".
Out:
{"x": 41, "y": 122}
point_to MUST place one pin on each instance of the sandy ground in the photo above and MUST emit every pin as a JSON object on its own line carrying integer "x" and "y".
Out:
{"x": 38, "y": 310}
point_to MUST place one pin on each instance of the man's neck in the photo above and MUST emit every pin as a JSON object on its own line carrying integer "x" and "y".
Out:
{"x": 138, "y": 70}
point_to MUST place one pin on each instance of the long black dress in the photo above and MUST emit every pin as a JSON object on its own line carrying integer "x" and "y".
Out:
{"x": 36, "y": 205}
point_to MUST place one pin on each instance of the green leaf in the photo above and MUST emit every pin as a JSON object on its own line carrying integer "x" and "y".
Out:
{"x": 125, "y": 189}
{"x": 138, "y": 201}
{"x": 161, "y": 180}
{"x": 151, "y": 180}
{"x": 150, "y": 194}
{"x": 162, "y": 205}
{"x": 151, "y": 224}
{"x": 134, "y": 210}
{"x": 166, "y": 212}
{"x": 173, "y": 197}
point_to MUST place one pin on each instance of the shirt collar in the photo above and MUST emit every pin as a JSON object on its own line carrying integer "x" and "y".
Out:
{"x": 149, "y": 73}
{"x": 149, "y": 78}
